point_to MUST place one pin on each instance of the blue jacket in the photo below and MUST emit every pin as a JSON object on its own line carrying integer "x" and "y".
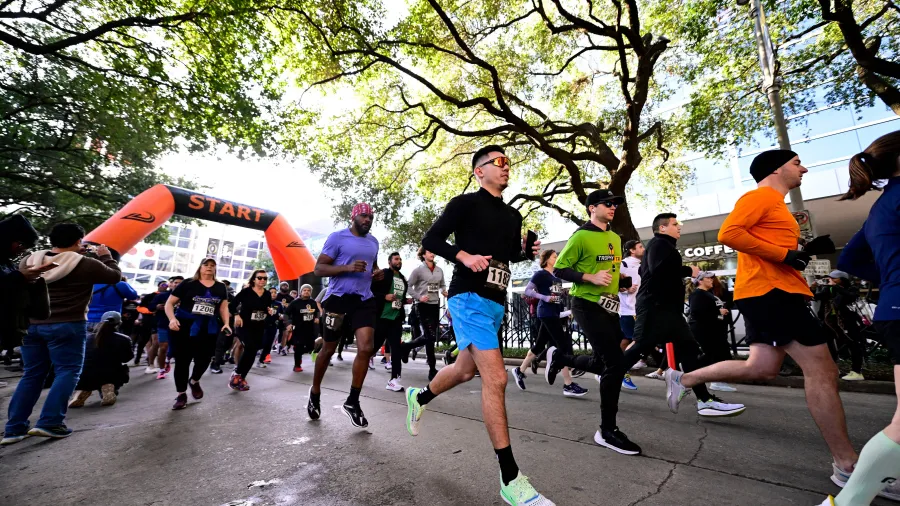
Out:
{"x": 109, "y": 298}
{"x": 874, "y": 252}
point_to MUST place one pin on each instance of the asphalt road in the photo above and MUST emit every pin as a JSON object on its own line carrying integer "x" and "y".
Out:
{"x": 259, "y": 448}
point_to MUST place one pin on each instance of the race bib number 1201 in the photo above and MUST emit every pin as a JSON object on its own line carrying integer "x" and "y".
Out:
{"x": 497, "y": 276}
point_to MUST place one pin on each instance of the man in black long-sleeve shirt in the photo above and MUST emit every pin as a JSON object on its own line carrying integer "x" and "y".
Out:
{"x": 660, "y": 311}
{"x": 488, "y": 236}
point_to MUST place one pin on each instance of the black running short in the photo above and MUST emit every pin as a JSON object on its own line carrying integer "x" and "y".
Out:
{"x": 778, "y": 318}
{"x": 889, "y": 335}
{"x": 347, "y": 312}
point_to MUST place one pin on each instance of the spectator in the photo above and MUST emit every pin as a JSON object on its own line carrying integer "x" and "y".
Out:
{"x": 108, "y": 297}
{"x": 837, "y": 296}
{"x": 707, "y": 319}
{"x": 60, "y": 339}
{"x": 104, "y": 358}
{"x": 23, "y": 292}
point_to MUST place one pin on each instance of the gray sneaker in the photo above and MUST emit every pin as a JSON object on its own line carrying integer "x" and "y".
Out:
{"x": 675, "y": 391}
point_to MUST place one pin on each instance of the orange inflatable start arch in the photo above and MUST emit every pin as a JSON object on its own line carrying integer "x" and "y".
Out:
{"x": 151, "y": 209}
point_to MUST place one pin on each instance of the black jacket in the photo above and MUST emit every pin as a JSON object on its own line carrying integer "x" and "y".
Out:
{"x": 385, "y": 286}
{"x": 662, "y": 276}
{"x": 105, "y": 365}
{"x": 19, "y": 301}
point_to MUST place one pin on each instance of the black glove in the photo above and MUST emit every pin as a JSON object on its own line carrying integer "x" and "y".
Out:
{"x": 822, "y": 245}
{"x": 797, "y": 259}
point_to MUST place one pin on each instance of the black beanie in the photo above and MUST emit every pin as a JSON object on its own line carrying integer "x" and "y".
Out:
{"x": 768, "y": 162}
{"x": 17, "y": 228}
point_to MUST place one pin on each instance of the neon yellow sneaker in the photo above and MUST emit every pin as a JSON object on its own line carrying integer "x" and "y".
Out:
{"x": 414, "y": 411}
{"x": 519, "y": 492}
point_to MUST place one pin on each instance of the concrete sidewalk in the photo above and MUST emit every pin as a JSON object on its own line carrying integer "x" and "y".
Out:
{"x": 258, "y": 447}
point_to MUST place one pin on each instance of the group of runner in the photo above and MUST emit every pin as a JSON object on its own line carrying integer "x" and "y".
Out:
{"x": 626, "y": 308}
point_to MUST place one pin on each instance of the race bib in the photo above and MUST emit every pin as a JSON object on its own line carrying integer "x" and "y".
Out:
{"x": 397, "y": 304}
{"x": 308, "y": 317}
{"x": 609, "y": 304}
{"x": 204, "y": 309}
{"x": 257, "y": 316}
{"x": 433, "y": 287}
{"x": 497, "y": 276}
{"x": 333, "y": 321}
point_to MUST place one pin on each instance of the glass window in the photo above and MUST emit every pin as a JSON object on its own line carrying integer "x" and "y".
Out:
{"x": 128, "y": 264}
{"x": 829, "y": 166}
{"x": 221, "y": 273}
{"x": 819, "y": 123}
{"x": 182, "y": 257}
{"x": 239, "y": 252}
{"x": 173, "y": 239}
{"x": 172, "y": 229}
{"x": 159, "y": 279}
{"x": 253, "y": 245}
{"x": 715, "y": 186}
{"x": 237, "y": 274}
{"x": 185, "y": 233}
{"x": 184, "y": 243}
{"x": 876, "y": 112}
{"x": 826, "y": 148}
{"x": 164, "y": 265}
{"x": 869, "y": 134}
{"x": 147, "y": 264}
{"x": 128, "y": 275}
{"x": 709, "y": 169}
{"x": 181, "y": 268}
{"x": 166, "y": 255}
{"x": 252, "y": 253}
{"x": 142, "y": 279}
{"x": 237, "y": 264}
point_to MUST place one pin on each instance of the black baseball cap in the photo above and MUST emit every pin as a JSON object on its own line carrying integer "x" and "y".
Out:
{"x": 598, "y": 196}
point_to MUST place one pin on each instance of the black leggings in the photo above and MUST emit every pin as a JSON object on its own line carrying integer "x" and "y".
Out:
{"x": 303, "y": 340}
{"x": 654, "y": 326}
{"x": 187, "y": 348}
{"x": 713, "y": 340}
{"x": 252, "y": 340}
{"x": 602, "y": 330}
{"x": 429, "y": 314}
{"x": 267, "y": 341}
{"x": 551, "y": 330}
{"x": 391, "y": 331}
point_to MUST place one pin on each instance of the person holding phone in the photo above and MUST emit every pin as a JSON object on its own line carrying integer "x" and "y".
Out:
{"x": 251, "y": 307}
{"x": 194, "y": 326}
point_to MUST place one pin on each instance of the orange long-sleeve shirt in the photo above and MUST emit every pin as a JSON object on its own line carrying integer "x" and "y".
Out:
{"x": 762, "y": 230}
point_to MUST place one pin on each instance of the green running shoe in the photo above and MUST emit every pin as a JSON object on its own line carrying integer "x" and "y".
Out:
{"x": 414, "y": 411}
{"x": 519, "y": 492}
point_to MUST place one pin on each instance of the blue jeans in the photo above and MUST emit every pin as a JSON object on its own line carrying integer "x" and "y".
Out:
{"x": 60, "y": 344}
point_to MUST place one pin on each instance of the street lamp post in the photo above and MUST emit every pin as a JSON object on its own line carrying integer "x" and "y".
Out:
{"x": 772, "y": 82}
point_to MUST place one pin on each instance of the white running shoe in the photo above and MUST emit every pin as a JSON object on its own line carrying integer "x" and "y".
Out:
{"x": 151, "y": 370}
{"x": 722, "y": 387}
{"x": 715, "y": 407}
{"x": 655, "y": 375}
{"x": 639, "y": 365}
{"x": 394, "y": 385}
{"x": 675, "y": 391}
{"x": 854, "y": 376}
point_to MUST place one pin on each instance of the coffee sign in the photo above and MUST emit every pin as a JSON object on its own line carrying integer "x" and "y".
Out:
{"x": 707, "y": 252}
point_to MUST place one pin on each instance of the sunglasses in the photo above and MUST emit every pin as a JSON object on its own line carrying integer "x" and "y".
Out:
{"x": 610, "y": 204}
{"x": 263, "y": 278}
{"x": 500, "y": 161}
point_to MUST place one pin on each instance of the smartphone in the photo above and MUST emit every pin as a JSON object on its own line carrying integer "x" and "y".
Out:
{"x": 530, "y": 239}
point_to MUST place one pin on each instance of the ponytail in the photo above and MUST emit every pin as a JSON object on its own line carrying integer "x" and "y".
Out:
{"x": 878, "y": 161}
{"x": 104, "y": 333}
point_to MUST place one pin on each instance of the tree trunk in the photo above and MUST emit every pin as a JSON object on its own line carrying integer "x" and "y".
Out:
{"x": 622, "y": 224}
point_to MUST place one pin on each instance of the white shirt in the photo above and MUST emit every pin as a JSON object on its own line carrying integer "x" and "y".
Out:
{"x": 627, "y": 300}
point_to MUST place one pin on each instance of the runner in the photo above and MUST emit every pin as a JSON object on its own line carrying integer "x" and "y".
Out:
{"x": 633, "y": 252}
{"x": 548, "y": 289}
{"x": 488, "y": 236}
{"x": 349, "y": 259}
{"x": 426, "y": 285}
{"x": 771, "y": 294}
{"x": 660, "y": 311}
{"x": 250, "y": 307}
{"x": 149, "y": 341}
{"x": 162, "y": 326}
{"x": 194, "y": 327}
{"x": 302, "y": 319}
{"x": 390, "y": 298}
{"x": 874, "y": 254}
{"x": 591, "y": 260}
{"x": 276, "y": 327}
{"x": 707, "y": 319}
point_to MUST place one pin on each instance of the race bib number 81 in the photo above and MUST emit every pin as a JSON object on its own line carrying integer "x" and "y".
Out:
{"x": 497, "y": 276}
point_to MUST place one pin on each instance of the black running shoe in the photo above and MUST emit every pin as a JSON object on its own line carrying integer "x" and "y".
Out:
{"x": 519, "y": 377}
{"x": 534, "y": 366}
{"x": 356, "y": 416}
{"x": 617, "y": 441}
{"x": 312, "y": 407}
{"x": 214, "y": 369}
{"x": 415, "y": 353}
{"x": 551, "y": 369}
{"x": 577, "y": 373}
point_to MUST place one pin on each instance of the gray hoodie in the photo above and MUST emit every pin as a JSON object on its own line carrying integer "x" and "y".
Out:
{"x": 424, "y": 281}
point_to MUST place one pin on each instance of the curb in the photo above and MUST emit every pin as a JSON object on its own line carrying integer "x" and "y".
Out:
{"x": 865, "y": 387}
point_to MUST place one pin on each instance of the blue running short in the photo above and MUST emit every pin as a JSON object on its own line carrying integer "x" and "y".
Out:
{"x": 476, "y": 321}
